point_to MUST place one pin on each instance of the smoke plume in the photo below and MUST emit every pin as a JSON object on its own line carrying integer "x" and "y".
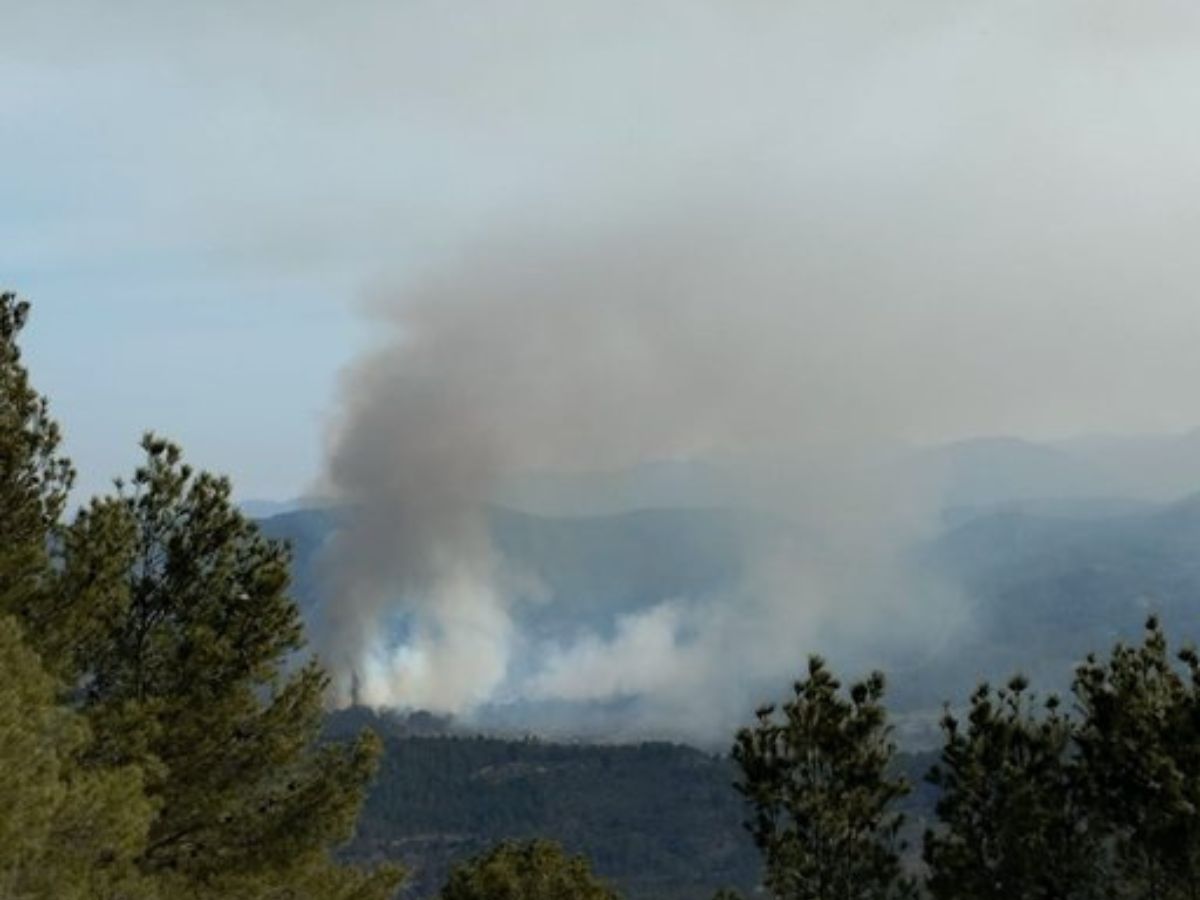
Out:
{"x": 735, "y": 335}
{"x": 891, "y": 235}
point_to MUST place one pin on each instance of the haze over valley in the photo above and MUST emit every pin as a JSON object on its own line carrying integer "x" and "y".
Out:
{"x": 657, "y": 430}
{"x": 1037, "y": 554}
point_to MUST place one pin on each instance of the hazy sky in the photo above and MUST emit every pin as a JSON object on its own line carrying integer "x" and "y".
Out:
{"x": 197, "y": 195}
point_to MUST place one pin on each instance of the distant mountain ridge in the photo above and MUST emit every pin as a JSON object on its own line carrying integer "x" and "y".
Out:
{"x": 1051, "y": 560}
{"x": 976, "y": 472}
{"x": 1044, "y": 577}
{"x": 1043, "y": 588}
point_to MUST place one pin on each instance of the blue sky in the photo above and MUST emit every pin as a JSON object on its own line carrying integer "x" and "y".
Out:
{"x": 200, "y": 197}
{"x": 241, "y": 374}
{"x": 237, "y": 364}
{"x": 195, "y": 243}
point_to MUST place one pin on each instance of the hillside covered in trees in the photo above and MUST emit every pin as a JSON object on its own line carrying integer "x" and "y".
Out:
{"x": 659, "y": 821}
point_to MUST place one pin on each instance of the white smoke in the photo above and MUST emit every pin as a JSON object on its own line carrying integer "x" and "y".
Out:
{"x": 726, "y": 336}
{"x": 832, "y": 231}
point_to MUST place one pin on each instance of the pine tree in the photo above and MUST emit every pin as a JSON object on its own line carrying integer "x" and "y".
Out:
{"x": 174, "y": 723}
{"x": 1012, "y": 814}
{"x": 67, "y": 832}
{"x": 1139, "y": 745}
{"x": 816, "y": 778}
{"x": 189, "y": 660}
{"x": 34, "y": 478}
{"x": 529, "y": 870}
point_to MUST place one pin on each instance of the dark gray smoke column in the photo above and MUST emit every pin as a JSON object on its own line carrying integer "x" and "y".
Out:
{"x": 799, "y": 344}
{"x": 538, "y": 357}
{"x": 601, "y": 351}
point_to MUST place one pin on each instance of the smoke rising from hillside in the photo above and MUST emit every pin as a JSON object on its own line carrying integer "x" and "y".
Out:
{"x": 733, "y": 335}
{"x": 891, "y": 230}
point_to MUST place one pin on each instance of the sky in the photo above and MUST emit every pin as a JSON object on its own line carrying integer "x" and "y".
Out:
{"x": 205, "y": 200}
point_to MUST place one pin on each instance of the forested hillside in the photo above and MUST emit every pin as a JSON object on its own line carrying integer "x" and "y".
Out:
{"x": 660, "y": 821}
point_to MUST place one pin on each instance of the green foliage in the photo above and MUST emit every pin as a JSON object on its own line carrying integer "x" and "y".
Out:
{"x": 1010, "y": 807}
{"x": 66, "y": 831}
{"x": 1139, "y": 747}
{"x": 34, "y": 479}
{"x": 529, "y": 870}
{"x": 816, "y": 777}
{"x": 185, "y": 638}
{"x": 658, "y": 821}
{"x": 185, "y": 756}
{"x": 1106, "y": 804}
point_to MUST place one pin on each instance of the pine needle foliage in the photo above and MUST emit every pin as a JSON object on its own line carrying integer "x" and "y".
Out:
{"x": 815, "y": 774}
{"x": 1013, "y": 819}
{"x": 525, "y": 870}
{"x": 161, "y": 696}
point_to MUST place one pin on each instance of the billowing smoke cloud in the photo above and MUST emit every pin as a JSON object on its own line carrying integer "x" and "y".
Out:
{"x": 787, "y": 233}
{"x": 601, "y": 351}
{"x": 733, "y": 333}
{"x": 274, "y": 157}
{"x": 895, "y": 227}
